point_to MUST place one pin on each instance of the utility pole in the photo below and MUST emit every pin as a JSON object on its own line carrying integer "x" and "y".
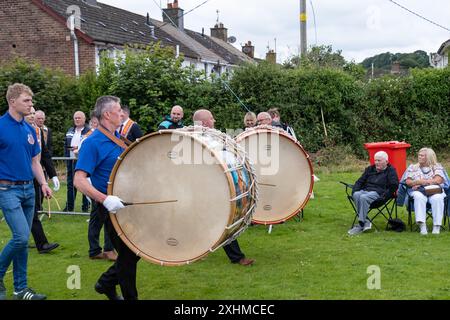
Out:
{"x": 303, "y": 19}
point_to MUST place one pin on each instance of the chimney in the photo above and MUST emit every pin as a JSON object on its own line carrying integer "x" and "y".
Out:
{"x": 175, "y": 14}
{"x": 249, "y": 49}
{"x": 219, "y": 32}
{"x": 271, "y": 57}
{"x": 395, "y": 68}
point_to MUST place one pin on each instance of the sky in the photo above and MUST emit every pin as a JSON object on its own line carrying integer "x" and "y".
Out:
{"x": 360, "y": 28}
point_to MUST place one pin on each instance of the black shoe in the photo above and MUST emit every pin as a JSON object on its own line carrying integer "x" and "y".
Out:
{"x": 68, "y": 208}
{"x": 48, "y": 247}
{"x": 28, "y": 294}
{"x": 111, "y": 293}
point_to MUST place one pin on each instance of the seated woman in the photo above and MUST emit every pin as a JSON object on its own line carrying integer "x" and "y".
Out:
{"x": 424, "y": 173}
{"x": 249, "y": 120}
{"x": 378, "y": 182}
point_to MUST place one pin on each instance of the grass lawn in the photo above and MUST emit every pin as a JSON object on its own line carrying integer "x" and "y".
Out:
{"x": 311, "y": 259}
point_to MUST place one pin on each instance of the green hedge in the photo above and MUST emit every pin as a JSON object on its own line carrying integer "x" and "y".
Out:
{"x": 414, "y": 108}
{"x": 55, "y": 93}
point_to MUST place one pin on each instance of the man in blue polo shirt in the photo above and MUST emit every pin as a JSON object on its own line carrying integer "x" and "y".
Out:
{"x": 96, "y": 160}
{"x": 19, "y": 163}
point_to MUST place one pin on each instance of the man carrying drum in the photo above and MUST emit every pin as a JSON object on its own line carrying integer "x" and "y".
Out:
{"x": 205, "y": 118}
{"x": 96, "y": 160}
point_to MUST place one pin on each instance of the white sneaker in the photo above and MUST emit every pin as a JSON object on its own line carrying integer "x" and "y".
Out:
{"x": 436, "y": 229}
{"x": 367, "y": 225}
{"x": 357, "y": 229}
{"x": 423, "y": 228}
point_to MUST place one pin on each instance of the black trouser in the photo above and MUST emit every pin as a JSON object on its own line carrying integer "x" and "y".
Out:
{"x": 123, "y": 271}
{"x": 36, "y": 228}
{"x": 233, "y": 251}
{"x": 96, "y": 223}
{"x": 72, "y": 191}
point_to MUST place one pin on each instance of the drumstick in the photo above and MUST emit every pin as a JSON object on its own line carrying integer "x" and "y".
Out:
{"x": 57, "y": 203}
{"x": 267, "y": 185}
{"x": 146, "y": 203}
{"x": 49, "y": 211}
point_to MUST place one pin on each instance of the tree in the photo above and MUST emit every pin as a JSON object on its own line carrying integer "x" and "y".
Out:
{"x": 318, "y": 56}
{"x": 148, "y": 79}
{"x": 383, "y": 62}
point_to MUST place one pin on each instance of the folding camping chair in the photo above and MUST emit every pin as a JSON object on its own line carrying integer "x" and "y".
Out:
{"x": 409, "y": 201}
{"x": 410, "y": 209}
{"x": 379, "y": 207}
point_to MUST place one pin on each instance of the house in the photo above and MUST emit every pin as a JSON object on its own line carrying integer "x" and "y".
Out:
{"x": 72, "y": 35}
{"x": 440, "y": 59}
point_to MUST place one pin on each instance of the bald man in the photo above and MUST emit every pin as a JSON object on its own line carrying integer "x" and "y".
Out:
{"x": 174, "y": 121}
{"x": 264, "y": 118}
{"x": 205, "y": 118}
{"x": 74, "y": 136}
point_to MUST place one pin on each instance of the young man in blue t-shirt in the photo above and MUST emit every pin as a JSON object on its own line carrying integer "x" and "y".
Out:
{"x": 19, "y": 163}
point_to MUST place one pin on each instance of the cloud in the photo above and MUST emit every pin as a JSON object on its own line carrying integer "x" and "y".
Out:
{"x": 360, "y": 28}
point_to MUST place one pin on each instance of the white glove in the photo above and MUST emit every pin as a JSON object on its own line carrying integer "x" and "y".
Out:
{"x": 113, "y": 204}
{"x": 56, "y": 184}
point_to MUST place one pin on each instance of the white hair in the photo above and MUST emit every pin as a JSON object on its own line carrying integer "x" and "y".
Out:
{"x": 381, "y": 154}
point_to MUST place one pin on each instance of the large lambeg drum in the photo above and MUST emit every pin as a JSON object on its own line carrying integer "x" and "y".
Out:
{"x": 202, "y": 191}
{"x": 284, "y": 173}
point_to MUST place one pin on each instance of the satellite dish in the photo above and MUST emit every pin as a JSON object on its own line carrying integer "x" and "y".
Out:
{"x": 247, "y": 49}
{"x": 231, "y": 39}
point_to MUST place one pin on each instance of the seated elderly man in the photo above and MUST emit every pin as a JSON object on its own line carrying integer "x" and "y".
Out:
{"x": 378, "y": 182}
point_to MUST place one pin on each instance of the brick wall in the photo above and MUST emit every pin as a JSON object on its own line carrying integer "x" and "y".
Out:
{"x": 28, "y": 31}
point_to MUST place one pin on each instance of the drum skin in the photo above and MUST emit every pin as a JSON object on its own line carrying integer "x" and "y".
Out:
{"x": 154, "y": 168}
{"x": 286, "y": 181}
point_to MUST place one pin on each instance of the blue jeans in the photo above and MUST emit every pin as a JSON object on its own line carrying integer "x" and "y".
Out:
{"x": 17, "y": 204}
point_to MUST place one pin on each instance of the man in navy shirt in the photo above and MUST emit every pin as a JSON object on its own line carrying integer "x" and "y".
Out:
{"x": 19, "y": 163}
{"x": 96, "y": 160}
